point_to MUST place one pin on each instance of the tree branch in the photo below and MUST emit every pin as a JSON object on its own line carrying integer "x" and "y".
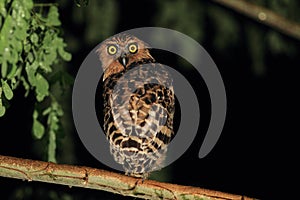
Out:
{"x": 79, "y": 176}
{"x": 264, "y": 16}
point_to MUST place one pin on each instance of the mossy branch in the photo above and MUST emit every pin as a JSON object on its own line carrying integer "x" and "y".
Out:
{"x": 79, "y": 176}
{"x": 264, "y": 16}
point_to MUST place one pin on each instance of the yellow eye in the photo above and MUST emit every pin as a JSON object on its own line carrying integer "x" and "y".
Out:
{"x": 132, "y": 48}
{"x": 112, "y": 49}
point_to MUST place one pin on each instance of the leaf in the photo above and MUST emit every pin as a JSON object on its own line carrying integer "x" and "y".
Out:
{"x": 35, "y": 114}
{"x": 21, "y": 33}
{"x": 7, "y": 53}
{"x": 13, "y": 83}
{"x": 30, "y": 57}
{"x": 28, "y": 4}
{"x": 47, "y": 111}
{"x": 34, "y": 38}
{"x": 42, "y": 87}
{"x": 4, "y": 68}
{"x": 82, "y": 3}
{"x": 4, "y": 33}
{"x": 7, "y": 90}
{"x": 46, "y": 60}
{"x": 52, "y": 147}
{"x": 48, "y": 39}
{"x": 53, "y": 17}
{"x": 17, "y": 44}
{"x": 27, "y": 47}
{"x": 65, "y": 55}
{"x": 26, "y": 86}
{"x": 60, "y": 112}
{"x": 2, "y": 110}
{"x": 2, "y": 9}
{"x": 67, "y": 79}
{"x": 38, "y": 129}
{"x": 13, "y": 72}
{"x": 13, "y": 57}
{"x": 30, "y": 70}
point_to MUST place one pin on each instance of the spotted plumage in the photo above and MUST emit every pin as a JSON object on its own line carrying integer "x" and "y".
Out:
{"x": 138, "y": 104}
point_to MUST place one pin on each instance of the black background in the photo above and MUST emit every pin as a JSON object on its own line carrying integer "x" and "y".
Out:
{"x": 257, "y": 152}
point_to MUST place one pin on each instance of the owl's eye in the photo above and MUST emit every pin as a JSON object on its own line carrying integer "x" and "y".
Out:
{"x": 112, "y": 49}
{"x": 133, "y": 48}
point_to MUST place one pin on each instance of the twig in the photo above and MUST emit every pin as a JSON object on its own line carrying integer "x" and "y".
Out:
{"x": 76, "y": 176}
{"x": 264, "y": 16}
{"x": 45, "y": 4}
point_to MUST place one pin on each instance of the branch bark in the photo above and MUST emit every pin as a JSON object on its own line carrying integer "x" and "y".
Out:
{"x": 86, "y": 177}
{"x": 264, "y": 16}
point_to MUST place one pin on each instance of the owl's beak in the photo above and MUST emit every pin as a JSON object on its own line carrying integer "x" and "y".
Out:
{"x": 123, "y": 60}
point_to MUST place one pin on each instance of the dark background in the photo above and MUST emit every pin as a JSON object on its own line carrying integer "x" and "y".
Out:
{"x": 257, "y": 151}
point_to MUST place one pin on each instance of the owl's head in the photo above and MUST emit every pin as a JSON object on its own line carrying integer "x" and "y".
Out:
{"x": 119, "y": 52}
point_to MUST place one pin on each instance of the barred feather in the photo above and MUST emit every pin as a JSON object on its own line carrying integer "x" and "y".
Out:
{"x": 138, "y": 109}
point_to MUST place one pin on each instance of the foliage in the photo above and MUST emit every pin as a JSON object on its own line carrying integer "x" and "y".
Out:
{"x": 210, "y": 23}
{"x": 185, "y": 17}
{"x": 82, "y": 3}
{"x": 30, "y": 46}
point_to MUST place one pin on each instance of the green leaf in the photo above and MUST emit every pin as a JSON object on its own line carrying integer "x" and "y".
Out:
{"x": 38, "y": 129}
{"x": 67, "y": 79}
{"x": 13, "y": 83}
{"x": 65, "y": 55}
{"x": 21, "y": 23}
{"x": 35, "y": 114}
{"x": 2, "y": 110}
{"x": 26, "y": 86}
{"x": 28, "y": 4}
{"x": 30, "y": 57}
{"x": 16, "y": 44}
{"x": 48, "y": 39}
{"x": 13, "y": 72}
{"x": 45, "y": 67}
{"x": 2, "y": 8}
{"x": 4, "y": 33}
{"x": 4, "y": 68}
{"x": 48, "y": 59}
{"x": 13, "y": 57}
{"x": 20, "y": 32}
{"x": 60, "y": 112}
{"x": 34, "y": 38}
{"x": 47, "y": 111}
{"x": 30, "y": 70}
{"x": 53, "y": 17}
{"x": 52, "y": 147}
{"x": 7, "y": 90}
{"x": 82, "y": 3}
{"x": 42, "y": 87}
{"x": 7, "y": 53}
{"x": 27, "y": 46}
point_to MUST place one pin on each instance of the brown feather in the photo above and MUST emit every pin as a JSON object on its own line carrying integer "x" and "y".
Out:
{"x": 138, "y": 114}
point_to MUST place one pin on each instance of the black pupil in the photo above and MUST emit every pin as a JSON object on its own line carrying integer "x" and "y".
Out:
{"x": 112, "y": 49}
{"x": 132, "y": 48}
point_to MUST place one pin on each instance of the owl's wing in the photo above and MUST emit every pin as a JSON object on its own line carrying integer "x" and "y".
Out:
{"x": 142, "y": 108}
{"x": 152, "y": 109}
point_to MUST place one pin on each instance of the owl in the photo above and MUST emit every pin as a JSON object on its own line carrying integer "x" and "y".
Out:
{"x": 138, "y": 105}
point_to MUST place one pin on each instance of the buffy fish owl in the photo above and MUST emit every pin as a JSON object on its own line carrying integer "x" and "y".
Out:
{"x": 138, "y": 104}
